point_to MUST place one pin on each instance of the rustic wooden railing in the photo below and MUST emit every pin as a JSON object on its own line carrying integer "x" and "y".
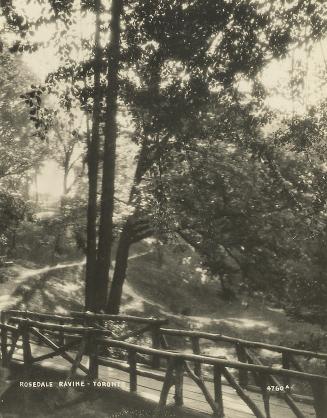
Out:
{"x": 160, "y": 337}
{"x": 92, "y": 339}
{"x": 179, "y": 364}
{"x": 148, "y": 325}
{"x": 141, "y": 326}
{"x": 245, "y": 353}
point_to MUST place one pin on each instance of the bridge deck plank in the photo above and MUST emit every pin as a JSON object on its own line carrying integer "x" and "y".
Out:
{"x": 234, "y": 407}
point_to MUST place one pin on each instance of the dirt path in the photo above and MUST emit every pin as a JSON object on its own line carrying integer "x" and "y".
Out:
{"x": 22, "y": 275}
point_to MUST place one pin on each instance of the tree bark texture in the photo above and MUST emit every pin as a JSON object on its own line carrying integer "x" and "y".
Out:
{"x": 118, "y": 279}
{"x": 128, "y": 236}
{"x": 109, "y": 159}
{"x": 93, "y": 168}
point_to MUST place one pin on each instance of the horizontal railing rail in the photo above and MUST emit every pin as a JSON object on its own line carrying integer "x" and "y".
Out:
{"x": 7, "y": 314}
{"x": 245, "y": 343}
{"x": 57, "y": 327}
{"x": 119, "y": 318}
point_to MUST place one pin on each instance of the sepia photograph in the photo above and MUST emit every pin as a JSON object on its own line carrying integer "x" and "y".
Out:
{"x": 163, "y": 208}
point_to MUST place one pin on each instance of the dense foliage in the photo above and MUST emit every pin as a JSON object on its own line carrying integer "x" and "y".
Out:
{"x": 20, "y": 153}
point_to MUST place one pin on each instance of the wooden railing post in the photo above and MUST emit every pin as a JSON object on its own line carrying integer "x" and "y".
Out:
{"x": 61, "y": 339}
{"x": 78, "y": 358}
{"x": 319, "y": 390}
{"x": 132, "y": 370}
{"x": 3, "y": 317}
{"x": 218, "y": 390}
{"x": 179, "y": 377}
{"x": 243, "y": 358}
{"x": 196, "y": 350}
{"x": 286, "y": 364}
{"x": 168, "y": 382}
{"x": 14, "y": 338}
{"x": 4, "y": 345}
{"x": 242, "y": 394}
{"x": 93, "y": 356}
{"x": 40, "y": 330}
{"x": 164, "y": 342}
{"x": 265, "y": 394}
{"x": 156, "y": 340}
{"x": 27, "y": 353}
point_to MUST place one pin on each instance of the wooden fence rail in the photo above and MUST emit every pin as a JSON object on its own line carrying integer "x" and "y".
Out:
{"x": 7, "y": 314}
{"x": 241, "y": 342}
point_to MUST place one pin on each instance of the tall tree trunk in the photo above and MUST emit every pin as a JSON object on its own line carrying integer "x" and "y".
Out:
{"x": 135, "y": 229}
{"x": 125, "y": 239}
{"x": 118, "y": 279}
{"x": 144, "y": 163}
{"x": 36, "y": 186}
{"x": 65, "y": 183}
{"x": 93, "y": 168}
{"x": 109, "y": 160}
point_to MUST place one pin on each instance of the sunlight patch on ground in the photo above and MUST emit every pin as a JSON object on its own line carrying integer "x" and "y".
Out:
{"x": 136, "y": 300}
{"x": 240, "y": 323}
{"x": 248, "y": 323}
{"x": 269, "y": 354}
{"x": 281, "y": 311}
{"x": 49, "y": 295}
{"x": 200, "y": 321}
{"x": 67, "y": 287}
{"x": 61, "y": 310}
{"x": 228, "y": 352}
{"x": 25, "y": 273}
{"x": 6, "y": 301}
{"x": 9, "y": 298}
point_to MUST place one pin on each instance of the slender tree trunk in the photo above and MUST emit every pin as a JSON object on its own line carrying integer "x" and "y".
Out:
{"x": 125, "y": 240}
{"x": 109, "y": 159}
{"x": 65, "y": 183}
{"x": 93, "y": 168}
{"x": 145, "y": 161}
{"x": 134, "y": 230}
{"x": 36, "y": 185}
{"x": 118, "y": 279}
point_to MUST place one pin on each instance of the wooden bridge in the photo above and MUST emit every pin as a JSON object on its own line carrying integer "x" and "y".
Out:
{"x": 144, "y": 356}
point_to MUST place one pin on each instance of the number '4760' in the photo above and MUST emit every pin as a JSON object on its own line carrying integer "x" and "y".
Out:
{"x": 279, "y": 388}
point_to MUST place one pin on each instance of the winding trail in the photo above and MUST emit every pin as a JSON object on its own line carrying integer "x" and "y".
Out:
{"x": 23, "y": 274}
